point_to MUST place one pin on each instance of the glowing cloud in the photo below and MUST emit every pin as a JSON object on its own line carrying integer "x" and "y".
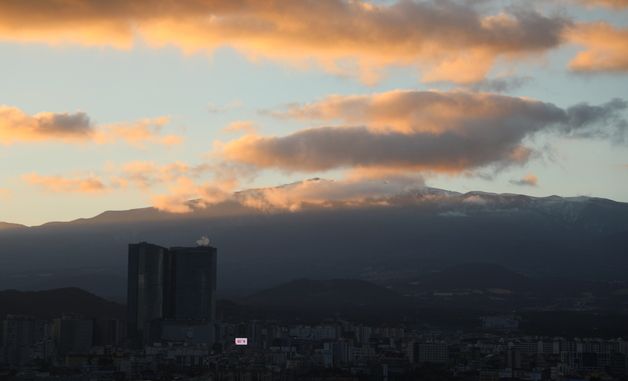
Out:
{"x": 241, "y": 126}
{"x": 446, "y": 40}
{"x": 527, "y": 180}
{"x": 17, "y": 126}
{"x": 606, "y": 48}
{"x": 89, "y": 184}
{"x": 5, "y": 194}
{"x": 328, "y": 193}
{"x": 616, "y": 4}
{"x": 422, "y": 131}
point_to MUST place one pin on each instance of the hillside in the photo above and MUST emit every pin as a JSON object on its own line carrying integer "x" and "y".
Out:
{"x": 406, "y": 236}
{"x": 58, "y": 302}
{"x": 326, "y": 294}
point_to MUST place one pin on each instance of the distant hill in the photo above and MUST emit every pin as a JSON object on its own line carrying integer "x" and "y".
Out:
{"x": 9, "y": 226}
{"x": 55, "y": 303}
{"x": 326, "y": 294}
{"x": 474, "y": 276}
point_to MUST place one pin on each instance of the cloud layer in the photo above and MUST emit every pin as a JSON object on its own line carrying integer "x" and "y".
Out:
{"x": 447, "y": 40}
{"x": 61, "y": 184}
{"x": 616, "y": 4}
{"x": 327, "y": 193}
{"x": 421, "y": 131}
{"x": 17, "y": 126}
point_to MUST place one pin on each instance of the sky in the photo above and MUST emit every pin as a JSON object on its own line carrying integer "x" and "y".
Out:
{"x": 118, "y": 105}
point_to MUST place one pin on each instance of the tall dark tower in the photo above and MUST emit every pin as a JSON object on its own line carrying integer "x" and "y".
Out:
{"x": 148, "y": 276}
{"x": 170, "y": 291}
{"x": 194, "y": 283}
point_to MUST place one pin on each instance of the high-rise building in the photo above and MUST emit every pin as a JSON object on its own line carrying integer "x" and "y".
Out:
{"x": 19, "y": 334}
{"x": 147, "y": 270}
{"x": 73, "y": 335}
{"x": 174, "y": 285}
{"x": 194, "y": 282}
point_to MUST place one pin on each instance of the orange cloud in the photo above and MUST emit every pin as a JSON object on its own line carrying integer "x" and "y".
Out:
{"x": 187, "y": 185}
{"x": 185, "y": 194}
{"x": 5, "y": 194}
{"x": 421, "y": 131}
{"x": 446, "y": 40}
{"x": 89, "y": 184}
{"x": 606, "y": 48}
{"x": 616, "y": 4}
{"x": 527, "y": 180}
{"x": 328, "y": 193}
{"x": 17, "y": 126}
{"x": 137, "y": 133}
{"x": 240, "y": 126}
{"x": 147, "y": 174}
{"x": 409, "y": 111}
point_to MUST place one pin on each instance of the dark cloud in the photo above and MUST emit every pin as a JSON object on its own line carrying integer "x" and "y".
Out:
{"x": 500, "y": 85}
{"x": 64, "y": 124}
{"x": 603, "y": 121}
{"x": 439, "y": 131}
{"x": 18, "y": 126}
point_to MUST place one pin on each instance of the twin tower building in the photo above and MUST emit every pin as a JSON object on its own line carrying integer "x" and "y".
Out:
{"x": 171, "y": 294}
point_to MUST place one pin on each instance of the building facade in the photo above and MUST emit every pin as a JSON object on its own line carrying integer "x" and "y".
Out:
{"x": 169, "y": 285}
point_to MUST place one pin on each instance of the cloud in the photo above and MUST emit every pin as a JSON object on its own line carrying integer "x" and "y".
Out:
{"x": 241, "y": 126}
{"x": 192, "y": 187}
{"x": 603, "y": 121}
{"x": 90, "y": 184}
{"x": 204, "y": 184}
{"x": 5, "y": 194}
{"x": 616, "y": 4}
{"x": 329, "y": 193}
{"x": 225, "y": 179}
{"x": 605, "y": 48}
{"x": 500, "y": 85}
{"x": 409, "y": 111}
{"x": 142, "y": 175}
{"x": 420, "y": 131}
{"x": 217, "y": 109}
{"x": 184, "y": 190}
{"x": 527, "y": 180}
{"x": 446, "y": 40}
{"x": 137, "y": 133}
{"x": 148, "y": 174}
{"x": 17, "y": 126}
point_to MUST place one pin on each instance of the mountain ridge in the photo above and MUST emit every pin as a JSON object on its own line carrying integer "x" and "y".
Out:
{"x": 58, "y": 302}
{"x": 411, "y": 233}
{"x": 419, "y": 193}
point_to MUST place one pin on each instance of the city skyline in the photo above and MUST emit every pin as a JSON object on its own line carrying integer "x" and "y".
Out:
{"x": 119, "y": 106}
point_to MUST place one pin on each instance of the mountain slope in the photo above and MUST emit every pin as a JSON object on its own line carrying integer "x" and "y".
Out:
{"x": 401, "y": 236}
{"x": 10, "y": 226}
{"x": 58, "y": 302}
{"x": 474, "y": 276}
{"x": 326, "y": 294}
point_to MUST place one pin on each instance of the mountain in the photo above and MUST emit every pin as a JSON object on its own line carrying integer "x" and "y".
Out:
{"x": 476, "y": 276}
{"x": 305, "y": 294}
{"x": 312, "y": 300}
{"x": 9, "y": 226}
{"x": 403, "y": 236}
{"x": 58, "y": 302}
